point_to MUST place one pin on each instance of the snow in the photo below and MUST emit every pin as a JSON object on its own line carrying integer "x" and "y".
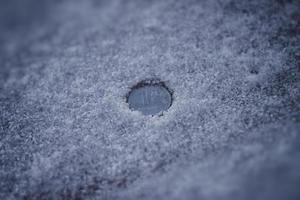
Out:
{"x": 232, "y": 132}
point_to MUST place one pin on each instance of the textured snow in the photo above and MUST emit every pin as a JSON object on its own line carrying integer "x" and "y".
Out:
{"x": 232, "y": 132}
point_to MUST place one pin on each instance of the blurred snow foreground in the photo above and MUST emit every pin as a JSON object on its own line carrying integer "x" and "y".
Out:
{"x": 232, "y": 132}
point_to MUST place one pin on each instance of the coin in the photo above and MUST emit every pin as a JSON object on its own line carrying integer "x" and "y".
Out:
{"x": 150, "y": 98}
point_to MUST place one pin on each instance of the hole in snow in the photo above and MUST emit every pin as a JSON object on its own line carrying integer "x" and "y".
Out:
{"x": 150, "y": 97}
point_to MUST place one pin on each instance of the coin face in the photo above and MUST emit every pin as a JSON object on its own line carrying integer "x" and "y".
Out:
{"x": 150, "y": 99}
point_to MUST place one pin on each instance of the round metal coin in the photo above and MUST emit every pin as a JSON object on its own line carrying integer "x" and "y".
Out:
{"x": 150, "y": 99}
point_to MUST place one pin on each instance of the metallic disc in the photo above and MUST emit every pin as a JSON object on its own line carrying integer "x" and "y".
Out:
{"x": 150, "y": 99}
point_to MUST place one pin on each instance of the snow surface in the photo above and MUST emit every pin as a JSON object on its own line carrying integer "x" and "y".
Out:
{"x": 232, "y": 131}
